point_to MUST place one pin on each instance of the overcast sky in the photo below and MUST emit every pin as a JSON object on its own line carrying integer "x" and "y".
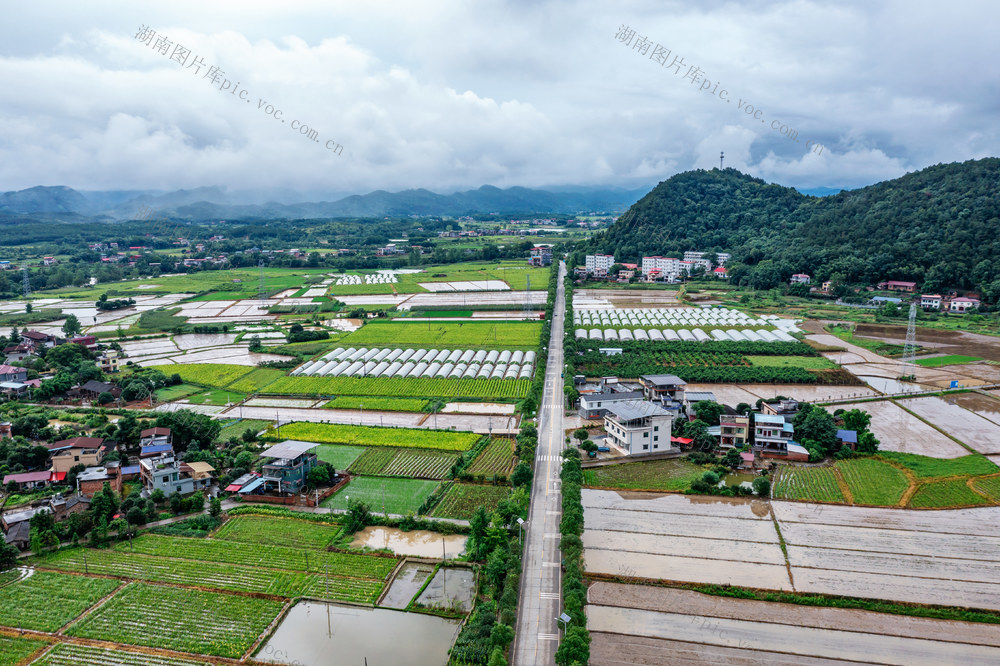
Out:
{"x": 454, "y": 95}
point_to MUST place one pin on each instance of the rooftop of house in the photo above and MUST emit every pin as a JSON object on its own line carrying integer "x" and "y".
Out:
{"x": 28, "y": 477}
{"x": 848, "y": 436}
{"x": 664, "y": 380}
{"x": 155, "y": 432}
{"x": 629, "y": 411}
{"x": 770, "y": 420}
{"x": 288, "y": 449}
{"x": 76, "y": 443}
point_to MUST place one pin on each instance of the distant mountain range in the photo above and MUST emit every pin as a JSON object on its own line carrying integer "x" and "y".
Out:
{"x": 212, "y": 203}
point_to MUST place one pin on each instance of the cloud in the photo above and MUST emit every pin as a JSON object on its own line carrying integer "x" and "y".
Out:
{"x": 451, "y": 96}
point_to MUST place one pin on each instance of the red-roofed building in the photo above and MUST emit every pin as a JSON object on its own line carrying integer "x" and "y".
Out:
{"x": 896, "y": 285}
{"x": 28, "y": 480}
{"x": 930, "y": 301}
{"x": 721, "y": 273}
{"x": 800, "y": 278}
{"x": 963, "y": 304}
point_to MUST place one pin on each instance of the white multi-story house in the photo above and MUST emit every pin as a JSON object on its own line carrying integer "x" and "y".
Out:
{"x": 930, "y": 301}
{"x": 963, "y": 304}
{"x": 599, "y": 264}
{"x": 800, "y": 278}
{"x": 639, "y": 427}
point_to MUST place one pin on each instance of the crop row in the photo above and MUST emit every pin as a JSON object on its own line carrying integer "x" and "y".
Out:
{"x": 373, "y": 402}
{"x": 180, "y": 619}
{"x": 17, "y": 650}
{"x": 462, "y": 499}
{"x": 256, "y": 380}
{"x": 419, "y": 464}
{"x": 496, "y": 458}
{"x": 873, "y": 482}
{"x": 808, "y": 483}
{"x": 941, "y": 494}
{"x": 70, "y": 654}
{"x": 345, "y": 589}
{"x": 416, "y": 438}
{"x": 216, "y": 375}
{"x": 46, "y": 601}
{"x": 403, "y": 387}
{"x": 257, "y": 555}
{"x": 266, "y": 530}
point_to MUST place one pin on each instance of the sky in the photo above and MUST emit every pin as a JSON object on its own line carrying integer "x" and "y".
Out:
{"x": 454, "y": 95}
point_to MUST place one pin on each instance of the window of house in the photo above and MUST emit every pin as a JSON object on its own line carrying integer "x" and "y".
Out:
{"x": 645, "y": 434}
{"x": 656, "y": 438}
{"x": 178, "y": 488}
{"x": 656, "y": 428}
{"x": 645, "y": 447}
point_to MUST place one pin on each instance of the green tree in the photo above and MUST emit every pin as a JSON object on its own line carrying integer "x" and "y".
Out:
{"x": 867, "y": 443}
{"x": 197, "y": 502}
{"x": 8, "y": 555}
{"x": 71, "y": 326}
{"x": 762, "y": 486}
{"x": 580, "y": 434}
{"x": 496, "y": 657}
{"x": 522, "y": 475}
{"x": 215, "y": 507}
{"x": 176, "y": 503}
{"x": 732, "y": 459}
{"x": 574, "y": 647}
{"x": 709, "y": 411}
{"x": 856, "y": 419}
{"x": 358, "y": 516}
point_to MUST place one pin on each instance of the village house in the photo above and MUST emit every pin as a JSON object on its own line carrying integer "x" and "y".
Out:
{"x": 88, "y": 341}
{"x": 897, "y": 285}
{"x": 6, "y": 429}
{"x": 289, "y": 468}
{"x": 598, "y": 265}
{"x": 164, "y": 473}
{"x": 38, "y": 340}
{"x": 639, "y": 427}
{"x": 785, "y": 407}
{"x": 29, "y": 480}
{"x": 930, "y": 301}
{"x": 848, "y": 438}
{"x": 691, "y": 398}
{"x": 541, "y": 255}
{"x": 64, "y": 507}
{"x": 155, "y": 437}
{"x": 18, "y": 352}
{"x": 721, "y": 273}
{"x": 800, "y": 278}
{"x": 107, "y": 361}
{"x": 963, "y": 304}
{"x": 773, "y": 438}
{"x": 93, "y": 389}
{"x": 595, "y": 405}
{"x": 734, "y": 431}
{"x": 12, "y": 373}
{"x": 663, "y": 388}
{"x": 67, "y": 453}
{"x": 17, "y": 525}
{"x": 91, "y": 481}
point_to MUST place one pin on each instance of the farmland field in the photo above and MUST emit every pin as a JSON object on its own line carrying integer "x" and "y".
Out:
{"x": 948, "y": 359}
{"x": 16, "y": 650}
{"x": 239, "y": 427}
{"x": 415, "y": 463}
{"x": 370, "y": 402}
{"x": 486, "y": 335}
{"x": 216, "y": 375}
{"x": 373, "y": 460}
{"x": 214, "y": 397}
{"x": 401, "y": 496}
{"x": 169, "y": 393}
{"x": 180, "y": 619}
{"x": 496, "y": 458}
{"x": 672, "y": 475}
{"x": 925, "y": 467}
{"x": 873, "y": 482}
{"x": 47, "y": 601}
{"x": 403, "y": 387}
{"x": 807, "y": 483}
{"x": 806, "y": 362}
{"x": 254, "y": 381}
{"x": 462, "y": 500}
{"x": 328, "y": 433}
{"x": 69, "y": 654}
{"x": 989, "y": 487}
{"x": 266, "y": 530}
{"x": 941, "y": 494}
{"x": 339, "y": 456}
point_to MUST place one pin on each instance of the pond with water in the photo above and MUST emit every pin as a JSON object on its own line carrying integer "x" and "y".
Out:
{"x": 418, "y": 543}
{"x": 318, "y": 633}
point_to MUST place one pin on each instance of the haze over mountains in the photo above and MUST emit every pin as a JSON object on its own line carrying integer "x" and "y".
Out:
{"x": 208, "y": 203}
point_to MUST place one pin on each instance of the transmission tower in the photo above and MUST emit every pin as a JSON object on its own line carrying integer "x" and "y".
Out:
{"x": 26, "y": 282}
{"x": 527, "y": 298}
{"x": 910, "y": 348}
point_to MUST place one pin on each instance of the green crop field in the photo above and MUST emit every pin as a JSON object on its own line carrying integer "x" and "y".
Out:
{"x": 17, "y": 650}
{"x": 69, "y": 654}
{"x": 270, "y": 531}
{"x": 806, "y": 362}
{"x": 948, "y": 359}
{"x": 926, "y": 467}
{"x": 943, "y": 494}
{"x": 215, "y": 396}
{"x": 239, "y": 427}
{"x": 989, "y": 486}
{"x": 818, "y": 484}
{"x": 46, "y": 601}
{"x": 400, "y": 496}
{"x": 415, "y": 463}
{"x": 514, "y": 273}
{"x": 496, "y": 459}
{"x": 462, "y": 499}
{"x": 403, "y": 387}
{"x": 211, "y": 623}
{"x": 216, "y": 375}
{"x": 256, "y": 380}
{"x": 670, "y": 475}
{"x": 417, "y": 438}
{"x": 338, "y": 455}
{"x": 372, "y": 402}
{"x": 441, "y": 335}
{"x": 873, "y": 482}
{"x": 170, "y": 393}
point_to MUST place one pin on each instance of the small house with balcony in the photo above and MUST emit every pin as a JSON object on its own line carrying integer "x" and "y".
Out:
{"x": 639, "y": 427}
{"x": 165, "y": 473}
{"x": 734, "y": 431}
{"x": 663, "y": 388}
{"x": 288, "y": 468}
{"x": 772, "y": 435}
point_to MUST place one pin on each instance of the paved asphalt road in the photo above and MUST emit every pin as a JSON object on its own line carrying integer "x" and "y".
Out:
{"x": 541, "y": 587}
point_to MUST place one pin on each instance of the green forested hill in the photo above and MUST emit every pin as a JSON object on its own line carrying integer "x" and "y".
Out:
{"x": 939, "y": 227}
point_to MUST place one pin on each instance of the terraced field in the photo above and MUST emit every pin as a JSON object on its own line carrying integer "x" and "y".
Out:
{"x": 181, "y": 619}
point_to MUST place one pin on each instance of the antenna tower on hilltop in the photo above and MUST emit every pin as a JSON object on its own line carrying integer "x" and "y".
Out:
{"x": 722, "y": 156}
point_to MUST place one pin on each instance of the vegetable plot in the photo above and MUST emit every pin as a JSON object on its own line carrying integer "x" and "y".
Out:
{"x": 462, "y": 500}
{"x": 416, "y": 438}
{"x": 818, "y": 484}
{"x": 496, "y": 458}
{"x": 47, "y": 601}
{"x": 419, "y": 464}
{"x": 68, "y": 654}
{"x": 403, "y": 387}
{"x": 188, "y": 620}
{"x": 262, "y": 530}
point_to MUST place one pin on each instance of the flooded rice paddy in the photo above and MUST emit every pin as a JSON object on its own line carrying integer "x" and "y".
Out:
{"x": 941, "y": 557}
{"x": 898, "y": 430}
{"x": 408, "y": 581}
{"x": 318, "y": 633}
{"x": 416, "y": 543}
{"x": 450, "y": 588}
{"x": 969, "y": 427}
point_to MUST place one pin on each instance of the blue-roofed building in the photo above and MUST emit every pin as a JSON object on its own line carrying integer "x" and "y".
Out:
{"x": 848, "y": 438}
{"x": 155, "y": 450}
